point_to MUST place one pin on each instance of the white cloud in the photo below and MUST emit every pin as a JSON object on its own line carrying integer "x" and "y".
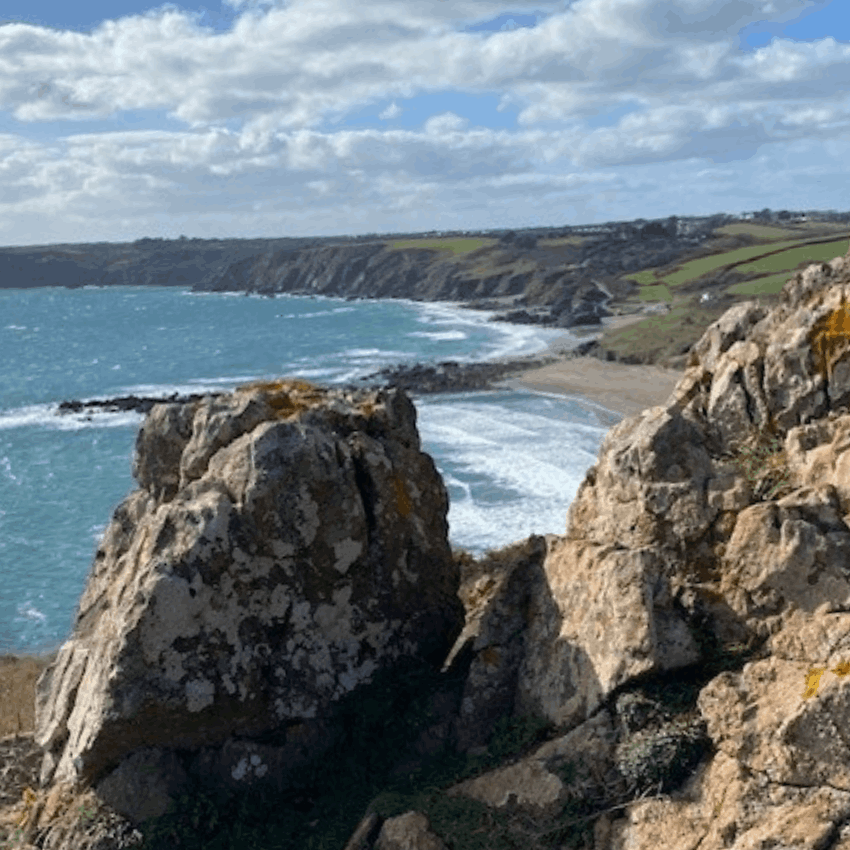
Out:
{"x": 260, "y": 105}
{"x": 392, "y": 111}
{"x": 445, "y": 123}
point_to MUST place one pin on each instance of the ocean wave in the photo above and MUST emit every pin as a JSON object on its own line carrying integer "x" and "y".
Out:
{"x": 46, "y": 416}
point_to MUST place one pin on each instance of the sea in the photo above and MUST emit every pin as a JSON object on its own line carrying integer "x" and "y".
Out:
{"x": 512, "y": 460}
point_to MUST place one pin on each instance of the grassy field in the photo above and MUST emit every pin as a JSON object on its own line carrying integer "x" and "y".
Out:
{"x": 794, "y": 257}
{"x": 784, "y": 258}
{"x": 774, "y": 233}
{"x": 661, "y": 337}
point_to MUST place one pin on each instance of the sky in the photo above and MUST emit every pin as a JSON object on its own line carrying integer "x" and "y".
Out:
{"x": 121, "y": 120}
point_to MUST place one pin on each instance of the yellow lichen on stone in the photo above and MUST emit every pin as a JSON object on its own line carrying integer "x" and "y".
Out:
{"x": 402, "y": 500}
{"x": 830, "y": 339}
{"x": 842, "y": 669}
{"x": 280, "y": 385}
{"x": 286, "y": 396}
{"x": 812, "y": 681}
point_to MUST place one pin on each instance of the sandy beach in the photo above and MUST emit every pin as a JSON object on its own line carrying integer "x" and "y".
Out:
{"x": 623, "y": 388}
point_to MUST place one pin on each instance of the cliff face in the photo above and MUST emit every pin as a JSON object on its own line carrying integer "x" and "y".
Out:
{"x": 574, "y": 282}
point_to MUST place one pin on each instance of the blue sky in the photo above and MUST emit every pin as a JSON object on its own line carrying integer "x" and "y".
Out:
{"x": 319, "y": 117}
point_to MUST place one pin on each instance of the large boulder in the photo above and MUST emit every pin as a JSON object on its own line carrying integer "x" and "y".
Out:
{"x": 285, "y": 545}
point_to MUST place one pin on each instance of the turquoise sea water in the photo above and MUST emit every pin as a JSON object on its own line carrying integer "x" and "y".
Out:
{"x": 512, "y": 461}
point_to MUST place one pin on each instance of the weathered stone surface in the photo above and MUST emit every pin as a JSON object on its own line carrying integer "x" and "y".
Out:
{"x": 579, "y": 763}
{"x": 286, "y": 543}
{"x": 725, "y": 807}
{"x": 715, "y": 523}
{"x": 408, "y": 832}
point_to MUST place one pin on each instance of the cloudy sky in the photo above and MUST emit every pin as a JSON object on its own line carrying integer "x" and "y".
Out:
{"x": 319, "y": 117}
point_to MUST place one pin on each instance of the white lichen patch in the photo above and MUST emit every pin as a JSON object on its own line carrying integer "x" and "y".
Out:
{"x": 200, "y": 693}
{"x": 346, "y": 553}
{"x": 245, "y": 767}
{"x": 335, "y": 620}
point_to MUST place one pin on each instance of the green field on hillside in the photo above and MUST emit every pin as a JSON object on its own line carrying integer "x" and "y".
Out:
{"x": 455, "y": 246}
{"x": 781, "y": 261}
{"x": 759, "y": 231}
{"x": 658, "y": 292}
{"x": 769, "y": 285}
{"x": 791, "y": 259}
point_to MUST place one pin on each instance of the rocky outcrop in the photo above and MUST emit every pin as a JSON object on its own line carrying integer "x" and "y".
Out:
{"x": 449, "y": 376}
{"x": 710, "y": 538}
{"x": 285, "y": 546}
{"x": 712, "y": 529}
{"x": 671, "y": 672}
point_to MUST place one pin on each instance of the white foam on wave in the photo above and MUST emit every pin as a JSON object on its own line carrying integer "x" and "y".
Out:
{"x": 510, "y": 471}
{"x": 512, "y": 341}
{"x": 439, "y": 334}
{"x": 27, "y": 612}
{"x": 315, "y": 315}
{"x": 47, "y": 416}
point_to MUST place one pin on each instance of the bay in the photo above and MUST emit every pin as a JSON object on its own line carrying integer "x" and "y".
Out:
{"x": 512, "y": 460}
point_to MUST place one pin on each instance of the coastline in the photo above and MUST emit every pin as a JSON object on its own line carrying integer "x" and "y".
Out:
{"x": 623, "y": 388}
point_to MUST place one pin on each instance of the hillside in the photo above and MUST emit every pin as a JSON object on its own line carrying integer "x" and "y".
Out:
{"x": 683, "y": 274}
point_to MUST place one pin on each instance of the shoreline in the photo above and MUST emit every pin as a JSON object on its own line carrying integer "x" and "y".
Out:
{"x": 622, "y": 388}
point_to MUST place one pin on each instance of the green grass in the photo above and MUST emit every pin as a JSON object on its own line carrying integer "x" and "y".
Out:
{"x": 704, "y": 265}
{"x": 769, "y": 285}
{"x": 793, "y": 258}
{"x": 658, "y": 292}
{"x": 658, "y": 337}
{"x": 644, "y": 278}
{"x": 454, "y": 246}
{"x": 759, "y": 231}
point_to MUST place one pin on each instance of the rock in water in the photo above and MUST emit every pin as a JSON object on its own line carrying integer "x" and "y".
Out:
{"x": 286, "y": 543}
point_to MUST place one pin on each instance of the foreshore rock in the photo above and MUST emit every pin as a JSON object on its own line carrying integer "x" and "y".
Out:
{"x": 679, "y": 658}
{"x": 120, "y": 404}
{"x": 449, "y": 376}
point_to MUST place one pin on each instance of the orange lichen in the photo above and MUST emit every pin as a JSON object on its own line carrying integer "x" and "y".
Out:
{"x": 830, "y": 339}
{"x": 287, "y": 396}
{"x": 812, "y": 681}
{"x": 842, "y": 669}
{"x": 402, "y": 500}
{"x": 282, "y": 384}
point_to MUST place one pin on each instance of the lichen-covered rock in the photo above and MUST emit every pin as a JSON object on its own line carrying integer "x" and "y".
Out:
{"x": 286, "y": 543}
{"x": 409, "y": 831}
{"x": 710, "y": 529}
